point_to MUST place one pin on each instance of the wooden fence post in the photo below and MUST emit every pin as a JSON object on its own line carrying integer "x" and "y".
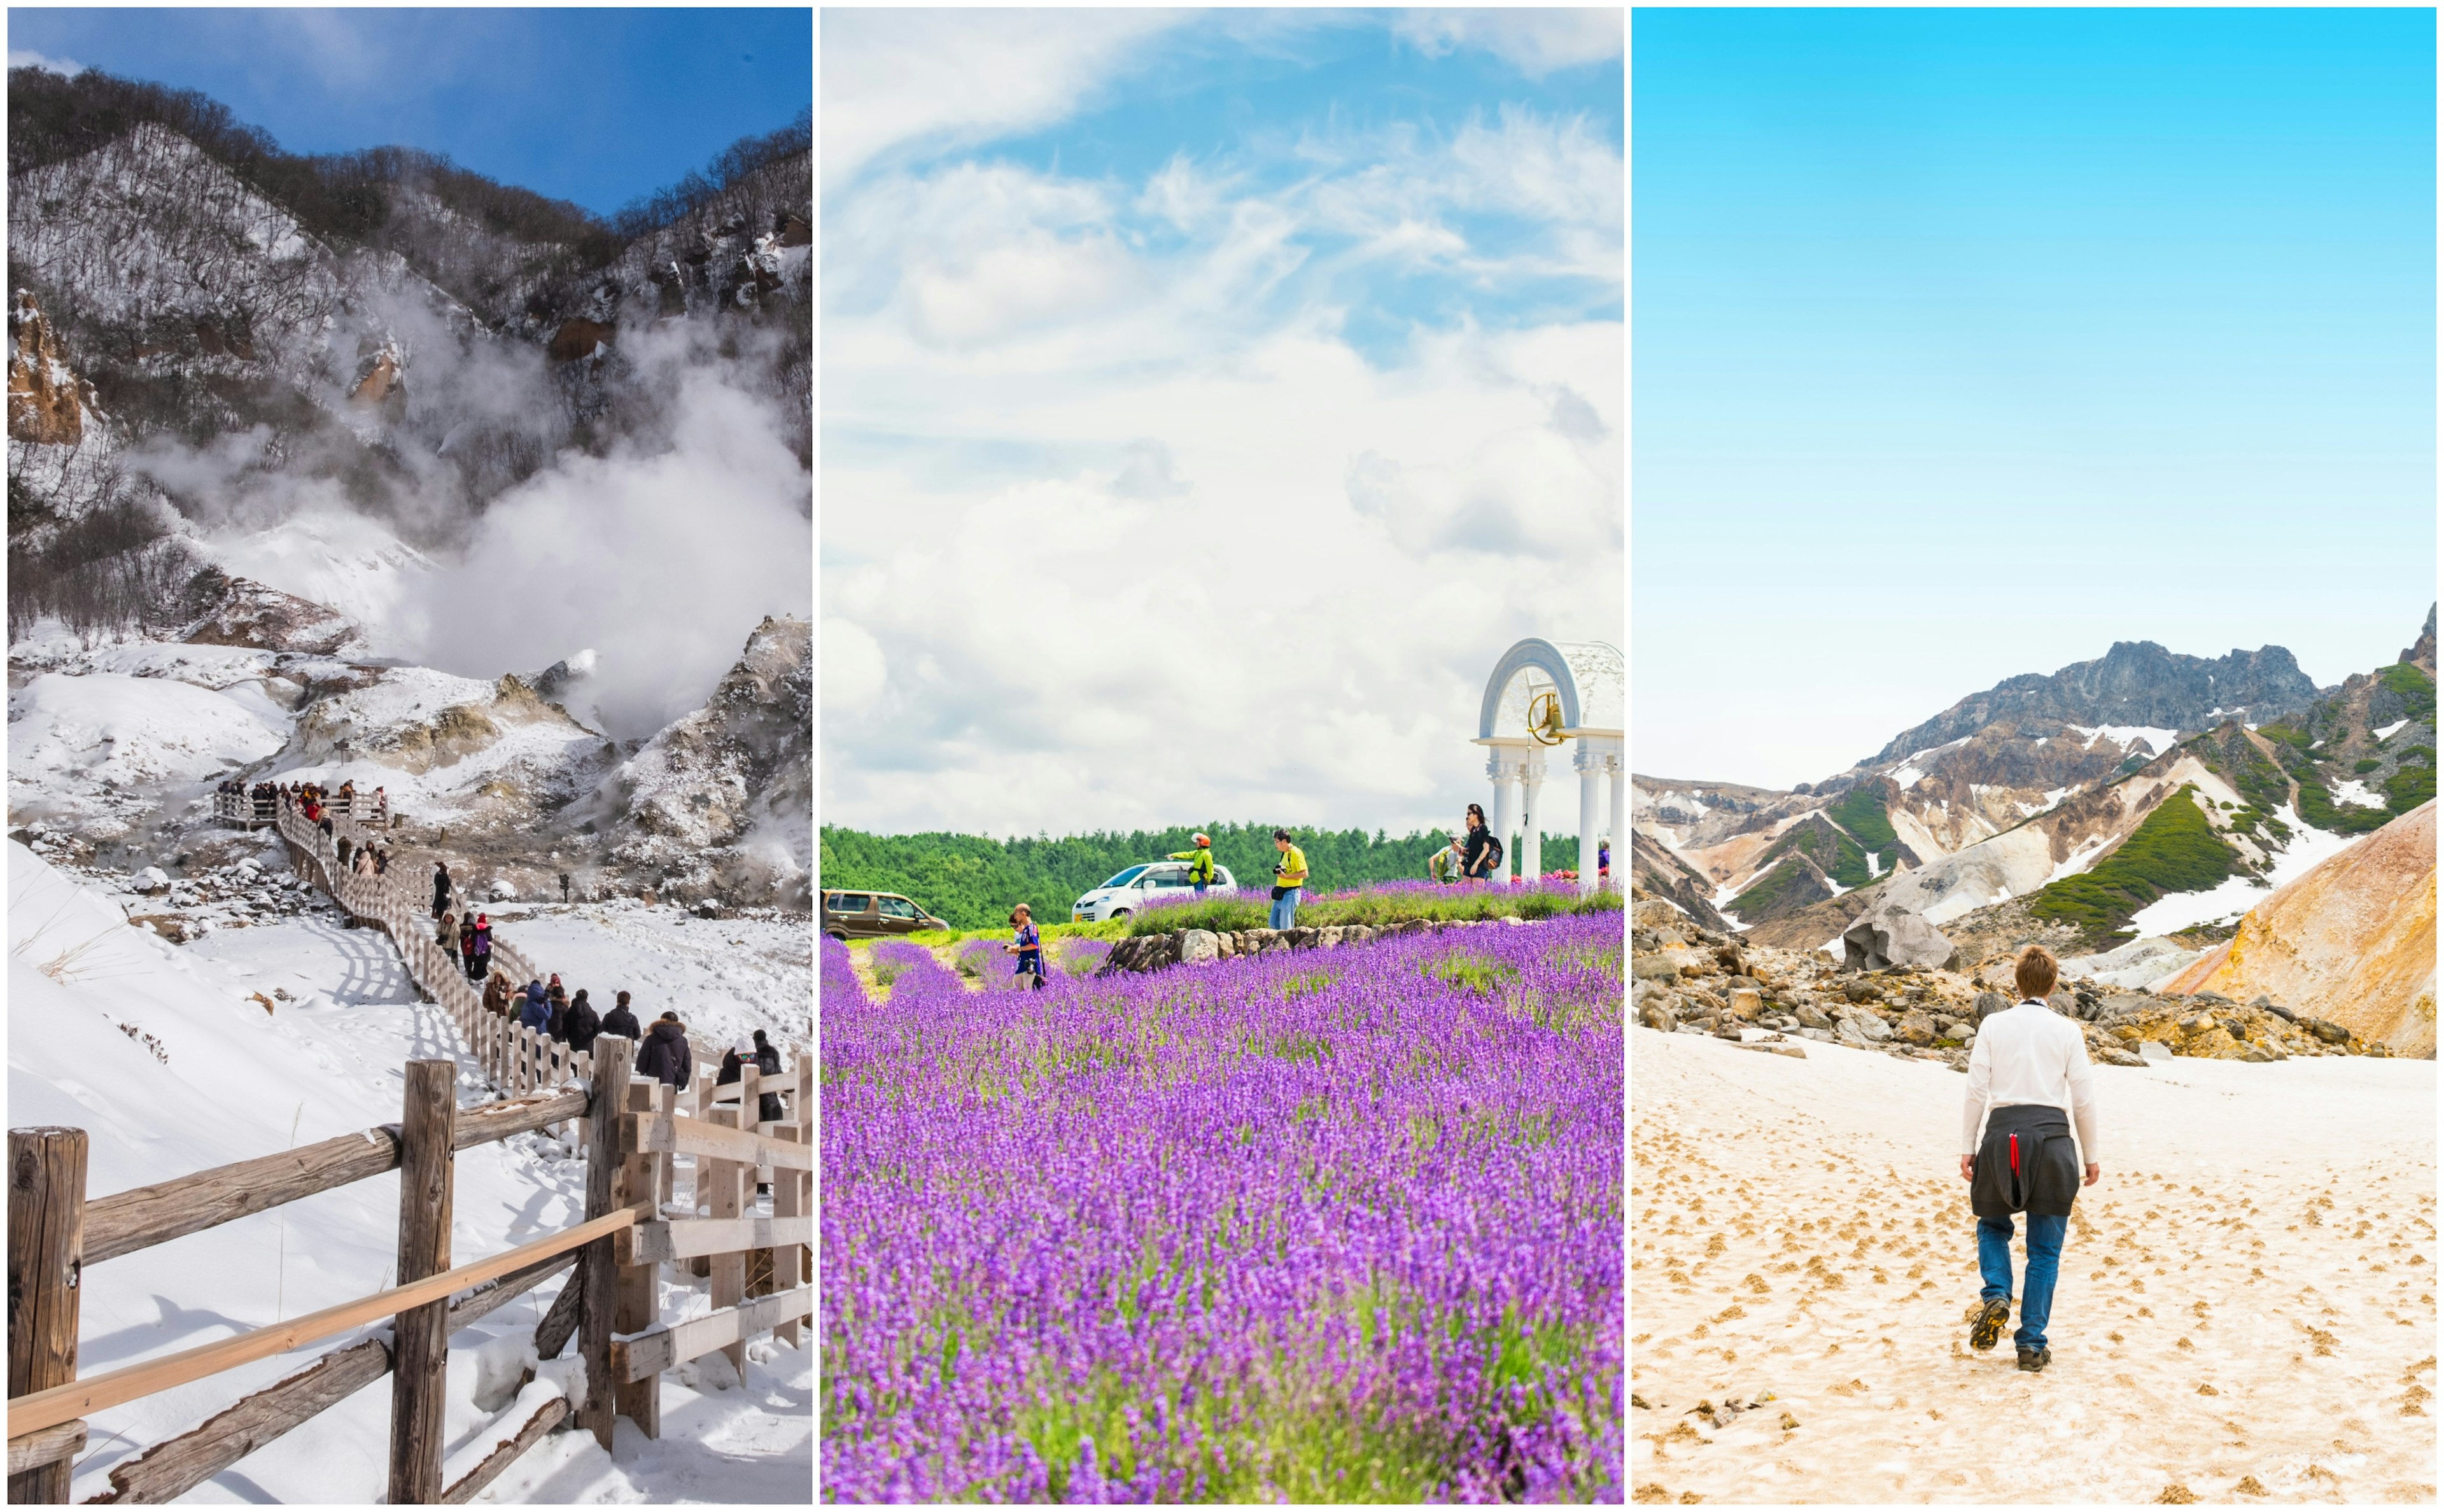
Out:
{"x": 45, "y": 1260}
{"x": 596, "y": 1271}
{"x": 427, "y": 1126}
{"x": 787, "y": 1204}
{"x": 729, "y": 1268}
{"x": 641, "y": 1286}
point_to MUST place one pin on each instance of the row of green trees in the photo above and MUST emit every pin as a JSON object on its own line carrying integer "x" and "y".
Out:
{"x": 973, "y": 881}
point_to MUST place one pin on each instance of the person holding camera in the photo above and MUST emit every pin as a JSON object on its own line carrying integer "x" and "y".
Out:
{"x": 1289, "y": 874}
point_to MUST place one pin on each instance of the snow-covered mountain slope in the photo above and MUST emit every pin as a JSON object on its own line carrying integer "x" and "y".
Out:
{"x": 167, "y": 1057}
{"x": 724, "y": 797}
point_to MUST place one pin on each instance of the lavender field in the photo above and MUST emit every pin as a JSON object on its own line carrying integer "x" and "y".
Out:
{"x": 1327, "y": 1226}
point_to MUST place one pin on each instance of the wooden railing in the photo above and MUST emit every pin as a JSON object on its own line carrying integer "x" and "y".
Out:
{"x": 611, "y": 1305}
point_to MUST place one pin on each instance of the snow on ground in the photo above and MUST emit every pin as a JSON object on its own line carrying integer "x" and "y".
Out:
{"x": 342, "y": 561}
{"x": 2235, "y": 895}
{"x": 724, "y": 977}
{"x": 2231, "y": 1304}
{"x": 167, "y": 1058}
{"x": 2387, "y": 733}
{"x": 81, "y": 746}
{"x": 2139, "y": 964}
{"x": 2354, "y": 791}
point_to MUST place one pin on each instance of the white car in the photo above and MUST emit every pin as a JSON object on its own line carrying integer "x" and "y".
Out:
{"x": 1132, "y": 889}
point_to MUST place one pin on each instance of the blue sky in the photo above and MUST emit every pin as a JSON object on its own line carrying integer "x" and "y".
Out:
{"x": 1967, "y": 342}
{"x": 594, "y": 106}
{"x": 1209, "y": 400}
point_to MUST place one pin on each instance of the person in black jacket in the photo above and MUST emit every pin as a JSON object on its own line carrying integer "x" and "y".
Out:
{"x": 665, "y": 1057}
{"x": 1476, "y": 861}
{"x": 581, "y": 1024}
{"x": 621, "y": 1021}
{"x": 735, "y": 1061}
{"x": 768, "y": 1061}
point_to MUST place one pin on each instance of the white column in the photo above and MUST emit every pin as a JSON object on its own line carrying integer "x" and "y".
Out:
{"x": 1504, "y": 770}
{"x": 1620, "y": 820}
{"x": 1590, "y": 763}
{"x": 1531, "y": 818}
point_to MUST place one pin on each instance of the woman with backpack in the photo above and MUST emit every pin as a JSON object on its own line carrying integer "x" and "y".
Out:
{"x": 1484, "y": 851}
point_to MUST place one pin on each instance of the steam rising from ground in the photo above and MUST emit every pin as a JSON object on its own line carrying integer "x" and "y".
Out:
{"x": 660, "y": 557}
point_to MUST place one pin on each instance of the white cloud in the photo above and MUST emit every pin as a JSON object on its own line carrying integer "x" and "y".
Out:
{"x": 948, "y": 78}
{"x": 1536, "y": 42}
{"x": 28, "y": 58}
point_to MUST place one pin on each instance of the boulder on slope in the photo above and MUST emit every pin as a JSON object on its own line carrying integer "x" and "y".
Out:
{"x": 1892, "y": 935}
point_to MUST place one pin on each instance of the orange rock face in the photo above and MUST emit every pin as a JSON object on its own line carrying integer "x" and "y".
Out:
{"x": 45, "y": 399}
{"x": 2353, "y": 941}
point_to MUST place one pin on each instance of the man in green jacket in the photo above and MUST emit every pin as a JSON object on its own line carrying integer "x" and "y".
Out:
{"x": 1200, "y": 863}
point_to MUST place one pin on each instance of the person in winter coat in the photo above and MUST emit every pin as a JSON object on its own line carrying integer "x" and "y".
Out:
{"x": 466, "y": 945}
{"x": 581, "y": 1024}
{"x": 665, "y": 1057}
{"x": 536, "y": 1013}
{"x": 768, "y": 1061}
{"x": 445, "y": 934}
{"x": 496, "y": 997}
{"x": 734, "y": 1059}
{"x": 559, "y": 996}
{"x": 619, "y": 1020}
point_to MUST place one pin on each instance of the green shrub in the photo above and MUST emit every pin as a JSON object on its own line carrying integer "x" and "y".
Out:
{"x": 2410, "y": 786}
{"x": 2365, "y": 765}
{"x": 1786, "y": 886}
{"x": 2416, "y": 689}
{"x": 1374, "y": 910}
{"x": 2174, "y": 850}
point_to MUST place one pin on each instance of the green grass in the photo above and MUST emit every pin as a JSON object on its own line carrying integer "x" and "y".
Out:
{"x": 2413, "y": 785}
{"x": 1862, "y": 813}
{"x": 1374, "y": 910}
{"x": 2364, "y": 765}
{"x": 2174, "y": 850}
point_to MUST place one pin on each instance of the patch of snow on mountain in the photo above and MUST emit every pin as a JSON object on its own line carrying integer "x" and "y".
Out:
{"x": 344, "y": 562}
{"x": 2156, "y": 740}
{"x": 2133, "y": 965}
{"x": 1908, "y": 776}
{"x": 2354, "y": 791}
{"x": 2076, "y": 863}
{"x": 2387, "y": 733}
{"x": 2235, "y": 895}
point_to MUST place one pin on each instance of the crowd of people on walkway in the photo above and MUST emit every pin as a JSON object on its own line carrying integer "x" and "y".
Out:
{"x": 549, "y": 1008}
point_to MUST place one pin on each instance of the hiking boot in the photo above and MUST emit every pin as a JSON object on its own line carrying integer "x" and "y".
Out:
{"x": 2036, "y": 1359}
{"x": 1989, "y": 1326}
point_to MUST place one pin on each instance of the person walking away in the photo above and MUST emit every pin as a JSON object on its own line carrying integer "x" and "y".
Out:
{"x": 559, "y": 996}
{"x": 768, "y": 1061}
{"x": 1028, "y": 944}
{"x": 466, "y": 945}
{"x": 1289, "y": 874}
{"x": 580, "y": 1025}
{"x": 2029, "y": 1082}
{"x": 1200, "y": 862}
{"x": 483, "y": 966}
{"x": 734, "y": 1059}
{"x": 619, "y": 1020}
{"x": 440, "y": 888}
{"x": 665, "y": 1057}
{"x": 1603, "y": 859}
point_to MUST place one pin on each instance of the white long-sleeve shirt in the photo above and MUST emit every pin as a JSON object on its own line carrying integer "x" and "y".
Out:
{"x": 2029, "y": 1052}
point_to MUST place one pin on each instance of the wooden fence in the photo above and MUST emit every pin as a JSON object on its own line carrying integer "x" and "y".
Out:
{"x": 611, "y": 1305}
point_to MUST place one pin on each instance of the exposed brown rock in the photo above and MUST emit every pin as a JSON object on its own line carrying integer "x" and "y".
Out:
{"x": 46, "y": 403}
{"x": 578, "y": 338}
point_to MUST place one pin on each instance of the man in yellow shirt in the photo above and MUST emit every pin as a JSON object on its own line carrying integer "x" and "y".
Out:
{"x": 1200, "y": 863}
{"x": 1289, "y": 874}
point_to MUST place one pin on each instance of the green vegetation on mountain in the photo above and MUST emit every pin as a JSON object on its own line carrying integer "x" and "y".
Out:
{"x": 2417, "y": 690}
{"x": 2262, "y": 786}
{"x": 1862, "y": 813}
{"x": 1783, "y": 888}
{"x": 971, "y": 881}
{"x": 2174, "y": 850}
{"x": 1839, "y": 856}
{"x": 2414, "y": 784}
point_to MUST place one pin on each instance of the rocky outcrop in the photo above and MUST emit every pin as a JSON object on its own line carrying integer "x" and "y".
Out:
{"x": 2352, "y": 941}
{"x": 1655, "y": 868}
{"x": 724, "y": 798}
{"x": 46, "y": 402}
{"x": 228, "y": 611}
{"x": 1155, "y": 953}
{"x": 2421, "y": 653}
{"x": 1687, "y": 980}
{"x": 1892, "y": 936}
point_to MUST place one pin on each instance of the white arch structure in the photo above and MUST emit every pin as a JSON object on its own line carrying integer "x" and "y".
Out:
{"x": 1590, "y": 680}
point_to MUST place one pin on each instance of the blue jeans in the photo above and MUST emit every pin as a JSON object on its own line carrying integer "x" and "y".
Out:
{"x": 2036, "y": 1284}
{"x": 1286, "y": 910}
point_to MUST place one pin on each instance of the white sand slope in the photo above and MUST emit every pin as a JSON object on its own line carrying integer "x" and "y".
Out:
{"x": 2247, "y": 1306}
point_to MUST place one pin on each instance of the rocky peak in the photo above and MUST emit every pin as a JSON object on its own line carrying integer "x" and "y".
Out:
{"x": 2421, "y": 653}
{"x": 2135, "y": 683}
